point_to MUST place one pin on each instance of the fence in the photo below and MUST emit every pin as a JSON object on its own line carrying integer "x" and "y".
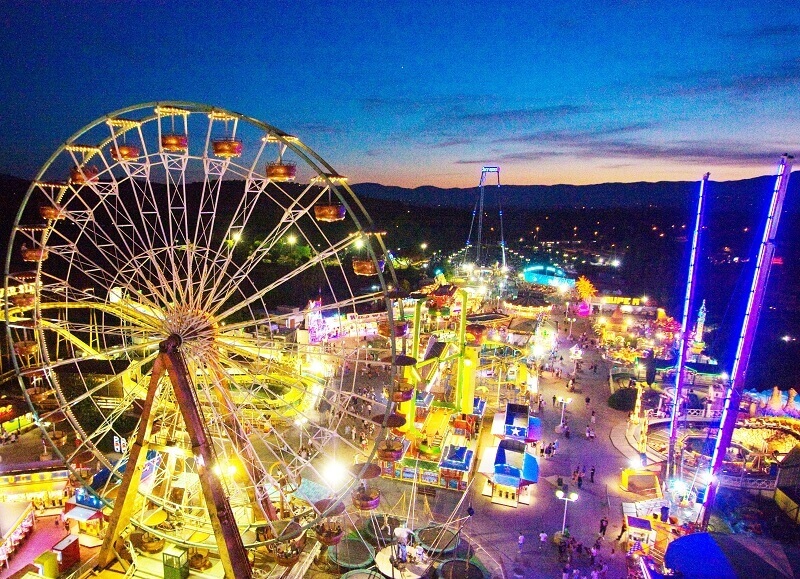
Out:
{"x": 744, "y": 481}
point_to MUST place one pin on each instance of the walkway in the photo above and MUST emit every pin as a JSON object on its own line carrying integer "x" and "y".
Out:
{"x": 497, "y": 528}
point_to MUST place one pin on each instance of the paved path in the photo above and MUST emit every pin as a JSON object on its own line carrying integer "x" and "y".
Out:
{"x": 497, "y": 528}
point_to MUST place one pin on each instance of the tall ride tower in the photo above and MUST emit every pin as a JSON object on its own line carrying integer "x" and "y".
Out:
{"x": 479, "y": 206}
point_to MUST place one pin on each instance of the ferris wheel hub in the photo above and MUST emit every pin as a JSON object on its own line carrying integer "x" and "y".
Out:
{"x": 193, "y": 327}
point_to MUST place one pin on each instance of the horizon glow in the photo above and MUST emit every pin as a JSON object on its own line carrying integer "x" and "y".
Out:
{"x": 553, "y": 94}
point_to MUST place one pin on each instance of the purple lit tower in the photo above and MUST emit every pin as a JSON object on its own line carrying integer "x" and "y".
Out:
{"x": 755, "y": 298}
{"x": 684, "y": 343}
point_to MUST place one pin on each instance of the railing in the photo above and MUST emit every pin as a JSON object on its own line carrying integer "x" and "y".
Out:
{"x": 748, "y": 482}
{"x": 702, "y": 412}
{"x": 684, "y": 417}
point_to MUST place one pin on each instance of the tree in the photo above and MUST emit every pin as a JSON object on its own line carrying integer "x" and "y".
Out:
{"x": 585, "y": 289}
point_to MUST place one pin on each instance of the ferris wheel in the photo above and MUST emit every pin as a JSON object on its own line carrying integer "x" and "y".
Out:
{"x": 184, "y": 223}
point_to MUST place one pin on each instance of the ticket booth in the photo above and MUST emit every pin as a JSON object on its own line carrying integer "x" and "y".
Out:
{"x": 68, "y": 552}
{"x": 641, "y": 531}
{"x": 176, "y": 563}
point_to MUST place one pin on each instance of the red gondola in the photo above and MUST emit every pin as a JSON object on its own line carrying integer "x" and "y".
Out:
{"x": 367, "y": 266}
{"x": 280, "y": 171}
{"x": 329, "y": 212}
{"x": 227, "y": 148}
{"x": 81, "y": 175}
{"x": 174, "y": 143}
{"x": 124, "y": 152}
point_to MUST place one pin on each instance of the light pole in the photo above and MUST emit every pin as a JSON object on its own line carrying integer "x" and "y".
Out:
{"x": 571, "y": 319}
{"x": 567, "y": 498}
{"x": 563, "y": 401}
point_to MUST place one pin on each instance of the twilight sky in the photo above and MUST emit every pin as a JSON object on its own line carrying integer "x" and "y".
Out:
{"x": 426, "y": 93}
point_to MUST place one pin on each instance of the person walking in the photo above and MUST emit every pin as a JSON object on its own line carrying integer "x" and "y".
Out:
{"x": 623, "y": 530}
{"x": 594, "y": 417}
{"x": 591, "y": 475}
{"x": 603, "y": 526}
{"x": 542, "y": 540}
{"x": 554, "y": 400}
{"x": 588, "y": 401}
{"x": 580, "y": 481}
{"x": 521, "y": 542}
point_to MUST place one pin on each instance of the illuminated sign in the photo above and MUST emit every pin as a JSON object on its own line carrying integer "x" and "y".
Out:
{"x": 24, "y": 288}
{"x": 621, "y": 300}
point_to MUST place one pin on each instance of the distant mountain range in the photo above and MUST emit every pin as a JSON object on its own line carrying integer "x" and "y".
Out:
{"x": 744, "y": 195}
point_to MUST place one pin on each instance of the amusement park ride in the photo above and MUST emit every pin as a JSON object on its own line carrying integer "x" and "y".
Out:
{"x": 480, "y": 254}
{"x": 145, "y": 241}
{"x": 138, "y": 277}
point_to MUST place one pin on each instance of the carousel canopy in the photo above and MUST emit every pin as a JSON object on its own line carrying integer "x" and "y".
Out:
{"x": 724, "y": 556}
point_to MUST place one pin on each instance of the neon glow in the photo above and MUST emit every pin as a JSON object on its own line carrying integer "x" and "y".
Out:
{"x": 683, "y": 340}
{"x": 746, "y": 337}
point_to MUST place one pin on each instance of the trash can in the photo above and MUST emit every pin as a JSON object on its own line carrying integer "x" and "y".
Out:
{"x": 664, "y": 513}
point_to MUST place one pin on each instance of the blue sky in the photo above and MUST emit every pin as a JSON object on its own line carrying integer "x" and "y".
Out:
{"x": 416, "y": 93}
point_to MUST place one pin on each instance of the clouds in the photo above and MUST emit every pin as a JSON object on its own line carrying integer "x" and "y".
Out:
{"x": 577, "y": 137}
{"x": 605, "y": 143}
{"x": 527, "y": 115}
{"x": 768, "y": 32}
{"x": 636, "y": 141}
{"x": 435, "y": 105}
{"x": 763, "y": 78}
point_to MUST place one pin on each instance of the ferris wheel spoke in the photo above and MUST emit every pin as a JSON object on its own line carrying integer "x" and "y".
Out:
{"x": 316, "y": 260}
{"x": 88, "y": 204}
{"x": 148, "y": 225}
{"x": 204, "y": 226}
{"x": 84, "y": 335}
{"x": 209, "y": 279}
{"x": 109, "y": 202}
{"x": 114, "y": 266}
{"x": 225, "y": 287}
{"x": 303, "y": 419}
{"x": 97, "y": 388}
{"x": 227, "y": 423}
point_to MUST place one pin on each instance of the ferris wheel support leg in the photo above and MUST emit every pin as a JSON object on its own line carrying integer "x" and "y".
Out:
{"x": 232, "y": 553}
{"x": 123, "y": 506}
